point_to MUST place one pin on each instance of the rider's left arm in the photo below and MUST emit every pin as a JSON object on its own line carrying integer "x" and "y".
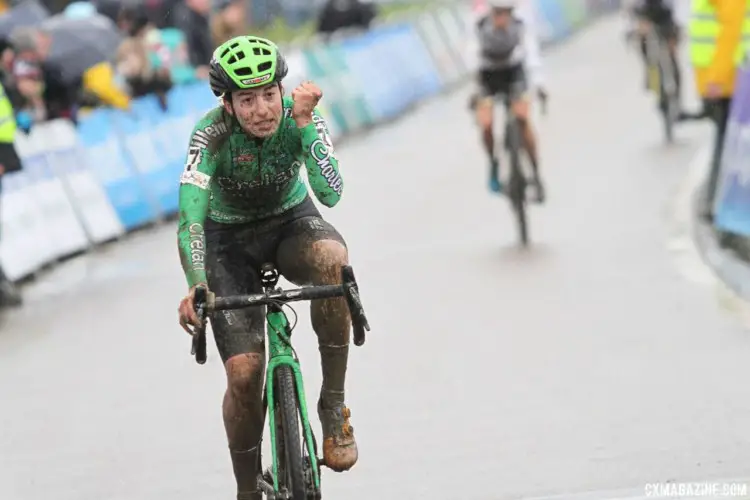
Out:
{"x": 321, "y": 162}
{"x": 533, "y": 53}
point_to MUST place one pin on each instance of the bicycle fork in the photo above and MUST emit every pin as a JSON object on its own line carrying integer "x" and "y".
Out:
{"x": 281, "y": 354}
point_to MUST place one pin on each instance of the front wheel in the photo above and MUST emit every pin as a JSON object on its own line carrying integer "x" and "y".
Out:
{"x": 517, "y": 182}
{"x": 293, "y": 476}
{"x": 518, "y": 200}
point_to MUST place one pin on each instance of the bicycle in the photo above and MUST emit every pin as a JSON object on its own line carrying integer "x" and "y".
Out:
{"x": 295, "y": 469}
{"x": 662, "y": 80}
{"x": 513, "y": 145}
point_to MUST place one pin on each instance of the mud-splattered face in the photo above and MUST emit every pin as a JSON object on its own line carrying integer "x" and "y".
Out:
{"x": 257, "y": 110}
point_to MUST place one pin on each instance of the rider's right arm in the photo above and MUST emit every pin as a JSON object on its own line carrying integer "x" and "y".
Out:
{"x": 194, "y": 199}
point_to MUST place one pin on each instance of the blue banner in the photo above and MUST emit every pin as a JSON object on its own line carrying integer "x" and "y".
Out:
{"x": 732, "y": 210}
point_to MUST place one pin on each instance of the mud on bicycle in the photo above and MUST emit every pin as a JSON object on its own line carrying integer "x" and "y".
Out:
{"x": 295, "y": 470}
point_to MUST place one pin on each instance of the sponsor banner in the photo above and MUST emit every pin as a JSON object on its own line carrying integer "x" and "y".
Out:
{"x": 90, "y": 203}
{"x": 25, "y": 244}
{"x": 106, "y": 157}
{"x": 60, "y": 220}
{"x": 395, "y": 67}
{"x": 438, "y": 43}
{"x": 732, "y": 210}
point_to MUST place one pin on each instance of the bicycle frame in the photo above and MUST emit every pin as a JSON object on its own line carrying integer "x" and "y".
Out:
{"x": 506, "y": 100}
{"x": 280, "y": 353}
{"x": 660, "y": 61}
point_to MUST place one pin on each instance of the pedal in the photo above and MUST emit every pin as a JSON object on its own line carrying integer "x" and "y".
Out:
{"x": 265, "y": 484}
{"x": 267, "y": 476}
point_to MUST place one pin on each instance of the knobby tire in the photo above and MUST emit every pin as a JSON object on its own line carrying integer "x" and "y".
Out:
{"x": 516, "y": 187}
{"x": 294, "y": 471}
{"x": 667, "y": 100}
{"x": 668, "y": 110}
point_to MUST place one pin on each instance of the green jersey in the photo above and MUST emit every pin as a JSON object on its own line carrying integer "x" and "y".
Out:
{"x": 232, "y": 178}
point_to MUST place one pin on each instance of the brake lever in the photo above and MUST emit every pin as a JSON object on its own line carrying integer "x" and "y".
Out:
{"x": 356, "y": 310}
{"x": 199, "y": 335}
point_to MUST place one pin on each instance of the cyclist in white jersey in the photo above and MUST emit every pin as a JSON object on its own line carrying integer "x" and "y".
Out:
{"x": 509, "y": 60}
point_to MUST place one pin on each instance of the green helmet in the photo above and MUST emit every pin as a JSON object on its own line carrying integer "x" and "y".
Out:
{"x": 245, "y": 62}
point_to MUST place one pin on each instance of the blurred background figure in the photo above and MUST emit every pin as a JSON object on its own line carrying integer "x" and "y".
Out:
{"x": 192, "y": 18}
{"x": 29, "y": 76}
{"x": 142, "y": 59}
{"x": 345, "y": 14}
{"x": 9, "y": 162}
{"x": 719, "y": 39}
{"x": 229, "y": 20}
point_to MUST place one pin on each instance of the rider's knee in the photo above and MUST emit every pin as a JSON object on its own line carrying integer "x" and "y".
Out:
{"x": 521, "y": 112}
{"x": 245, "y": 376}
{"x": 330, "y": 256}
{"x": 484, "y": 113}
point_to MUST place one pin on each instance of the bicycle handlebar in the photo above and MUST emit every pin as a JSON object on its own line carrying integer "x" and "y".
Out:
{"x": 206, "y": 302}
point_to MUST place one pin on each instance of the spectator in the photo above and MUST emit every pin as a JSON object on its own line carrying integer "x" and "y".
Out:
{"x": 228, "y": 20}
{"x": 140, "y": 58}
{"x": 7, "y": 58}
{"x": 100, "y": 87}
{"x": 109, "y": 9}
{"x": 175, "y": 46}
{"x": 717, "y": 29}
{"x": 58, "y": 97}
{"x": 9, "y": 162}
{"x": 192, "y": 17}
{"x": 342, "y": 14}
{"x": 27, "y": 73}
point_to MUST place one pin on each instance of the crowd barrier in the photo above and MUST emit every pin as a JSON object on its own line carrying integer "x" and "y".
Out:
{"x": 118, "y": 171}
{"x": 732, "y": 209}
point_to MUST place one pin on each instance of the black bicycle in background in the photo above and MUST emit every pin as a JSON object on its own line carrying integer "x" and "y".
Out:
{"x": 513, "y": 143}
{"x": 662, "y": 77}
{"x": 659, "y": 33}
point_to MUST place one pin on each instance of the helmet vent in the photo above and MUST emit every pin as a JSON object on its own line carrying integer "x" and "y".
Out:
{"x": 261, "y": 51}
{"x": 237, "y": 56}
{"x": 264, "y": 66}
{"x": 243, "y": 71}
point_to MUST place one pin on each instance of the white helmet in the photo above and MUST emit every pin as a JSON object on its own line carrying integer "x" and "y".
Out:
{"x": 503, "y": 4}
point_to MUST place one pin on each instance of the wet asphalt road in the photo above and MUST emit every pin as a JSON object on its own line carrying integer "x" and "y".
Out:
{"x": 587, "y": 363}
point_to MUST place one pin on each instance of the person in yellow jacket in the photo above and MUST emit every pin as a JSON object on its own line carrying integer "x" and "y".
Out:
{"x": 99, "y": 81}
{"x": 9, "y": 162}
{"x": 719, "y": 41}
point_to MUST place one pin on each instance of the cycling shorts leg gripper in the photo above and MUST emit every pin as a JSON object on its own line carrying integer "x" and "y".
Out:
{"x": 231, "y": 270}
{"x": 297, "y": 239}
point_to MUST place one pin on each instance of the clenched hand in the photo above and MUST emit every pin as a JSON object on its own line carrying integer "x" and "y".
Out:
{"x": 306, "y": 96}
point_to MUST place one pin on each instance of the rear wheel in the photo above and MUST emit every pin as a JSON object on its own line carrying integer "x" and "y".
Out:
{"x": 669, "y": 115}
{"x": 293, "y": 474}
{"x": 668, "y": 97}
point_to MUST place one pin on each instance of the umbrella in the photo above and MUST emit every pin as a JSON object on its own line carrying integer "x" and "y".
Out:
{"x": 25, "y": 14}
{"x": 78, "y": 44}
